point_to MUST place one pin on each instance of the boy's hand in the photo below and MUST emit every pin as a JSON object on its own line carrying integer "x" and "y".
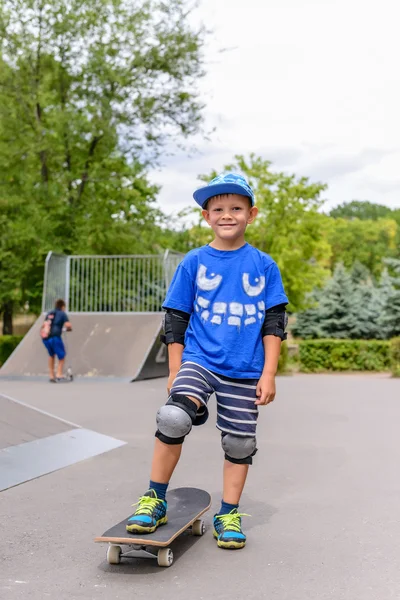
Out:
{"x": 171, "y": 379}
{"x": 266, "y": 389}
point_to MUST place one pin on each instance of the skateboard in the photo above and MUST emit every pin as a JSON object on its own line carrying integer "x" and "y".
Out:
{"x": 185, "y": 507}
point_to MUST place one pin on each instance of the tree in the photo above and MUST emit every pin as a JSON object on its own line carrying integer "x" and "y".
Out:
{"x": 366, "y": 241}
{"x": 361, "y": 209}
{"x": 391, "y": 316}
{"x": 288, "y": 226}
{"x": 366, "y": 310}
{"x": 336, "y": 306}
{"x": 359, "y": 273}
{"x": 90, "y": 93}
{"x": 308, "y": 322}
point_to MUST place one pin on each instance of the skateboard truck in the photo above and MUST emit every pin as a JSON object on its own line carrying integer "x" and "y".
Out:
{"x": 163, "y": 556}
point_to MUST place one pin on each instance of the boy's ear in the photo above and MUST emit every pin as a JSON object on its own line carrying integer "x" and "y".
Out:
{"x": 206, "y": 215}
{"x": 253, "y": 213}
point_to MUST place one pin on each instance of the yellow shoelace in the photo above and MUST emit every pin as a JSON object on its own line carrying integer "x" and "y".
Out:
{"x": 146, "y": 505}
{"x": 231, "y": 521}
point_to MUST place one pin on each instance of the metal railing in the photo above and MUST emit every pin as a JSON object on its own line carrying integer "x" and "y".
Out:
{"x": 55, "y": 280}
{"x": 130, "y": 283}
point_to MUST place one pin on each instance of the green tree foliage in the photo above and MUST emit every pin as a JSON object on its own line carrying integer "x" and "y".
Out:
{"x": 372, "y": 313}
{"x": 391, "y": 314}
{"x": 385, "y": 287}
{"x": 364, "y": 210}
{"x": 308, "y": 322}
{"x": 359, "y": 273}
{"x": 367, "y": 307}
{"x": 90, "y": 93}
{"x": 288, "y": 226}
{"x": 366, "y": 241}
{"x": 336, "y": 306}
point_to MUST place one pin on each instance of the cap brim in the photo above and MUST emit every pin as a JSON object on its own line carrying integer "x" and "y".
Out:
{"x": 205, "y": 193}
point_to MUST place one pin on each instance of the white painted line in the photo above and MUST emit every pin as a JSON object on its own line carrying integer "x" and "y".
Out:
{"x": 43, "y": 412}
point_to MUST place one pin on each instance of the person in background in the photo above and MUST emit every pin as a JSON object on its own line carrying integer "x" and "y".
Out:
{"x": 55, "y": 321}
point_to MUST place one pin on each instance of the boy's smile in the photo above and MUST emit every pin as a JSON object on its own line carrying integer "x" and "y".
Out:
{"x": 228, "y": 215}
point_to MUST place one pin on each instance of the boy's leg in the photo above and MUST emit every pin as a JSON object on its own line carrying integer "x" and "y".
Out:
{"x": 51, "y": 368}
{"x": 234, "y": 480}
{"x": 174, "y": 420}
{"x": 60, "y": 351}
{"x": 165, "y": 459}
{"x": 60, "y": 368}
{"x": 237, "y": 420}
{"x": 152, "y": 506}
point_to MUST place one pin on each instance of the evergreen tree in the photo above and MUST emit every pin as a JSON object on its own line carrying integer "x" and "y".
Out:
{"x": 367, "y": 310}
{"x": 308, "y": 322}
{"x": 385, "y": 287}
{"x": 337, "y": 306}
{"x": 391, "y": 311}
{"x": 359, "y": 273}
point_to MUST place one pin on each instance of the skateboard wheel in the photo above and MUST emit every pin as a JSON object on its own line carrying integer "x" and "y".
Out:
{"x": 114, "y": 555}
{"x": 198, "y": 527}
{"x": 165, "y": 557}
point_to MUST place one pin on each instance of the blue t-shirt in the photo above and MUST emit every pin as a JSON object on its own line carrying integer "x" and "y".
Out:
{"x": 226, "y": 293}
{"x": 58, "y": 322}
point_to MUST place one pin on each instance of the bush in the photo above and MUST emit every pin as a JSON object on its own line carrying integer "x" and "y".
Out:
{"x": 344, "y": 355}
{"x": 283, "y": 359}
{"x": 8, "y": 343}
{"x": 395, "y": 356}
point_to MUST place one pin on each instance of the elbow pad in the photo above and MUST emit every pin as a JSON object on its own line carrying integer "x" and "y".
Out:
{"x": 275, "y": 322}
{"x": 175, "y": 325}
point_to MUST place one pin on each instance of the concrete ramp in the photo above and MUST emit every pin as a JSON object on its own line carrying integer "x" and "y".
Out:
{"x": 121, "y": 345}
{"x": 34, "y": 443}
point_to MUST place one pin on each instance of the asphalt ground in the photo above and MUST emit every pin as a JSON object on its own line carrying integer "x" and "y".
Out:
{"x": 323, "y": 495}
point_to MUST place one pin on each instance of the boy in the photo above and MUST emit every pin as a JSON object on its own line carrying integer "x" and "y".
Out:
{"x": 52, "y": 327}
{"x": 224, "y": 323}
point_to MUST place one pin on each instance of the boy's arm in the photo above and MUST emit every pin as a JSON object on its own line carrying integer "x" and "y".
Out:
{"x": 273, "y": 332}
{"x": 67, "y": 323}
{"x": 266, "y": 389}
{"x": 175, "y": 352}
{"x": 175, "y": 325}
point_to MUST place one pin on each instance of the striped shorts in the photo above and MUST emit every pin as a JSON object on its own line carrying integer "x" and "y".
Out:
{"x": 236, "y": 411}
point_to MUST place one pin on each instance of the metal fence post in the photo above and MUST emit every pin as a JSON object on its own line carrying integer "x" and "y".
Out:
{"x": 67, "y": 282}
{"x": 46, "y": 270}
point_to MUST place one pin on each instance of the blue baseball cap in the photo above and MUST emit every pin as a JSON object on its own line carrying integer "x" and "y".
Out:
{"x": 226, "y": 183}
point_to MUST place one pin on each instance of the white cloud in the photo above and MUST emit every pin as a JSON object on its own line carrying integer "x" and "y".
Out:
{"x": 313, "y": 85}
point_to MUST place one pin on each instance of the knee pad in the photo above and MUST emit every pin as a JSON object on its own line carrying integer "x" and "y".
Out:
{"x": 239, "y": 449}
{"x": 175, "y": 419}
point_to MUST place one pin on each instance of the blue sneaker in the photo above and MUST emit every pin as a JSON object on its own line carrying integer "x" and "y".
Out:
{"x": 150, "y": 513}
{"x": 228, "y": 530}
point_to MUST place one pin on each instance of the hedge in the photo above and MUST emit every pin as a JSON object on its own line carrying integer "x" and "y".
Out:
{"x": 344, "y": 355}
{"x": 283, "y": 359}
{"x": 7, "y": 344}
{"x": 395, "y": 356}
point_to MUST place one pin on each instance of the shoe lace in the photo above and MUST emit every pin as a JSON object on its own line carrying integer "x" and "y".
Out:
{"x": 231, "y": 520}
{"x": 146, "y": 505}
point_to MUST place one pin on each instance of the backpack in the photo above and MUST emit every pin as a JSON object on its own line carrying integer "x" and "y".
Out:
{"x": 45, "y": 329}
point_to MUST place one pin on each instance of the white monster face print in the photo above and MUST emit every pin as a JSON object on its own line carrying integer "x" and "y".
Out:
{"x": 216, "y": 310}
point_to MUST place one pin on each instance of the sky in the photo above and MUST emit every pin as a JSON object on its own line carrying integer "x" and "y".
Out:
{"x": 312, "y": 85}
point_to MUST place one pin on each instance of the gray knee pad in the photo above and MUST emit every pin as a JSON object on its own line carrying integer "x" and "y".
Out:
{"x": 175, "y": 419}
{"x": 239, "y": 449}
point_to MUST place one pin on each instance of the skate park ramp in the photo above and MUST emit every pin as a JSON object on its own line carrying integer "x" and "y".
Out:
{"x": 34, "y": 443}
{"x": 101, "y": 345}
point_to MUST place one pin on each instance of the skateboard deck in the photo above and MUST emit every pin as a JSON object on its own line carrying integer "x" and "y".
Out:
{"x": 185, "y": 506}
